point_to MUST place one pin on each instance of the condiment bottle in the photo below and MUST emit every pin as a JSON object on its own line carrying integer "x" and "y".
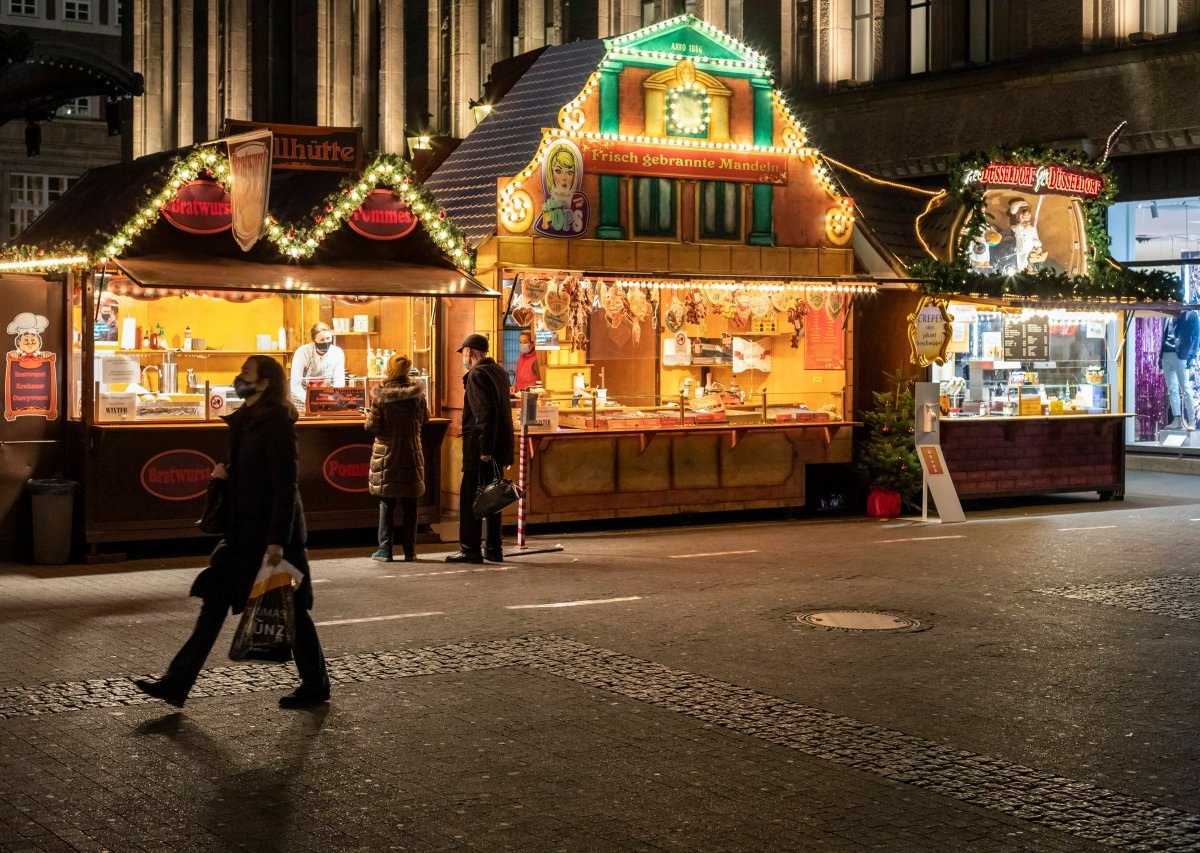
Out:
{"x": 187, "y": 337}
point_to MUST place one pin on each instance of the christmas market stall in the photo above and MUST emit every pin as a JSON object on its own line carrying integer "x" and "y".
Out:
{"x": 172, "y": 269}
{"x": 1020, "y": 314}
{"x": 674, "y": 259}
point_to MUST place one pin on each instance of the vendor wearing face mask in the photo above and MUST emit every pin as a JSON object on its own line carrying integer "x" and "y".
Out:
{"x": 528, "y": 373}
{"x": 321, "y": 359}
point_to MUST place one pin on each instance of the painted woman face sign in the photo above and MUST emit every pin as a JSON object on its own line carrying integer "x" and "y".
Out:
{"x": 564, "y": 207}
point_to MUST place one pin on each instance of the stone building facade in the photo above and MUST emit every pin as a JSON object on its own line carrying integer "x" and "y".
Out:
{"x": 78, "y": 137}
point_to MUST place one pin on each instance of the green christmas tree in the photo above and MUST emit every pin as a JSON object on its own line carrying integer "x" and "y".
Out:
{"x": 888, "y": 458}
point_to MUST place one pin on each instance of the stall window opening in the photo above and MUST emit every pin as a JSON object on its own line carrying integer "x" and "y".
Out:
{"x": 653, "y": 207}
{"x": 720, "y": 209}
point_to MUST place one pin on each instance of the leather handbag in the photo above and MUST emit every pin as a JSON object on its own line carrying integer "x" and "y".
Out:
{"x": 216, "y": 509}
{"x": 492, "y": 497}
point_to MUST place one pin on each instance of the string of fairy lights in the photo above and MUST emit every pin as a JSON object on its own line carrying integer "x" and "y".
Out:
{"x": 515, "y": 204}
{"x": 294, "y": 241}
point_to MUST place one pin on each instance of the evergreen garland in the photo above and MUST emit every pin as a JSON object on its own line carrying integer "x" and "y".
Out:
{"x": 1106, "y": 281}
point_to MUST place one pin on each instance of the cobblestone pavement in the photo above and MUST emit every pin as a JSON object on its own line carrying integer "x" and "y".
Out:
{"x": 643, "y": 690}
{"x": 1164, "y": 596}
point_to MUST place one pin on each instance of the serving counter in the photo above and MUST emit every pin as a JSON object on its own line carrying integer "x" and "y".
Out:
{"x": 148, "y": 481}
{"x": 1031, "y": 454}
{"x": 589, "y": 474}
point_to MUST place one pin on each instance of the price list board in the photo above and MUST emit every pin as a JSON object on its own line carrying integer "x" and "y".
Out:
{"x": 1027, "y": 340}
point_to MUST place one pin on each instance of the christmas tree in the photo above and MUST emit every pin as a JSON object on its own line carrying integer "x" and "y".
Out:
{"x": 888, "y": 458}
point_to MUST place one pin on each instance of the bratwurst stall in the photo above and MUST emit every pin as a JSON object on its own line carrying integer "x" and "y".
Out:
{"x": 330, "y": 272}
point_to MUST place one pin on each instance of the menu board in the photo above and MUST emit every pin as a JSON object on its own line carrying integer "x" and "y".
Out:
{"x": 1027, "y": 340}
{"x": 824, "y": 341}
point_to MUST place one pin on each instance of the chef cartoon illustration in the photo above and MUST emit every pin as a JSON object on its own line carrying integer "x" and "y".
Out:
{"x": 30, "y": 379}
{"x": 28, "y": 328}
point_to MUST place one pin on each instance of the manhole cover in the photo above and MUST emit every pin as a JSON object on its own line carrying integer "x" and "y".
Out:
{"x": 858, "y": 620}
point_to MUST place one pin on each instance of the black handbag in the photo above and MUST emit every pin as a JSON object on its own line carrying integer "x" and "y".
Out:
{"x": 216, "y": 510}
{"x": 492, "y": 497}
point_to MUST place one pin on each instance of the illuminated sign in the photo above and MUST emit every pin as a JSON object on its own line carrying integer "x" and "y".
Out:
{"x": 1061, "y": 180}
{"x": 200, "y": 207}
{"x": 348, "y": 468}
{"x": 383, "y": 215}
{"x": 325, "y": 149}
{"x": 655, "y": 160}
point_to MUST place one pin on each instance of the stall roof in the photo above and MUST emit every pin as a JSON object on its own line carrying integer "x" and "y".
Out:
{"x": 890, "y": 211}
{"x": 392, "y": 279}
{"x": 502, "y": 145}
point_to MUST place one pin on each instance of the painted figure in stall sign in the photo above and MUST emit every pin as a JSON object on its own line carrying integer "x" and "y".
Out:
{"x": 1028, "y": 248}
{"x": 30, "y": 376}
{"x": 565, "y": 208}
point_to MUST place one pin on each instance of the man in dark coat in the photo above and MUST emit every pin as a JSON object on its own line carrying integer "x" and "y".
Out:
{"x": 487, "y": 442}
{"x": 265, "y": 521}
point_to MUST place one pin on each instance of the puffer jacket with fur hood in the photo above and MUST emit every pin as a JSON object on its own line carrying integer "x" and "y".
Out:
{"x": 397, "y": 414}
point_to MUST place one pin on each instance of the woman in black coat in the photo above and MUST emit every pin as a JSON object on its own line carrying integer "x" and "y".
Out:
{"x": 397, "y": 414}
{"x": 266, "y": 520}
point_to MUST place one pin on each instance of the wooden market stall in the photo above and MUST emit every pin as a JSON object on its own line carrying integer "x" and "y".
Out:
{"x": 164, "y": 307}
{"x": 657, "y": 219}
{"x": 1018, "y": 312}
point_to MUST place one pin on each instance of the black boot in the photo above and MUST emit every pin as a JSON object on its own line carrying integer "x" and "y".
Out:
{"x": 465, "y": 557}
{"x": 161, "y": 689}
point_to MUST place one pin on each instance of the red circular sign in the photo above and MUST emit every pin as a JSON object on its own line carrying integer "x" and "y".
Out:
{"x": 177, "y": 475}
{"x": 348, "y": 468}
{"x": 383, "y": 215}
{"x": 200, "y": 207}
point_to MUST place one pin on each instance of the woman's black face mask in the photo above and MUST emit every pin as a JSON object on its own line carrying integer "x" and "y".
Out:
{"x": 244, "y": 387}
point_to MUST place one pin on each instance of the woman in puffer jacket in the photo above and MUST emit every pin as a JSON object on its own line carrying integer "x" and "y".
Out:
{"x": 397, "y": 414}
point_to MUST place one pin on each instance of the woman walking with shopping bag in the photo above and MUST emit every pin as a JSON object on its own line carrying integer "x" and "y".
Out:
{"x": 265, "y": 523}
{"x": 397, "y": 414}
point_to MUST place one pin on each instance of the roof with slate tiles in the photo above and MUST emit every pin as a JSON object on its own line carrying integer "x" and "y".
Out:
{"x": 503, "y": 144}
{"x": 890, "y": 211}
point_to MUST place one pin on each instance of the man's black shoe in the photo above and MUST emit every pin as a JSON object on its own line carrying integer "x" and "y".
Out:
{"x": 494, "y": 556}
{"x": 161, "y": 690}
{"x": 304, "y": 697}
{"x": 464, "y": 557}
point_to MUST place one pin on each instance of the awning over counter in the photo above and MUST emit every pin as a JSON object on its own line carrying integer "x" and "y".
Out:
{"x": 393, "y": 279}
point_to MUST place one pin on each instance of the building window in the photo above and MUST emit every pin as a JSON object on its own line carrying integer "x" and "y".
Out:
{"x": 863, "y": 47}
{"x": 979, "y": 31}
{"x": 79, "y": 11}
{"x": 29, "y": 195}
{"x": 78, "y": 108}
{"x": 918, "y": 36}
{"x": 1160, "y": 16}
{"x": 653, "y": 207}
{"x": 720, "y": 210}
{"x": 734, "y": 18}
{"x": 26, "y": 8}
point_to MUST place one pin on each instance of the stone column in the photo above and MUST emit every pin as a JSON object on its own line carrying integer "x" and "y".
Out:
{"x": 153, "y": 114}
{"x": 391, "y": 76}
{"x": 185, "y": 74}
{"x": 237, "y": 46}
{"x": 532, "y": 25}
{"x": 465, "y": 81}
{"x": 335, "y": 40}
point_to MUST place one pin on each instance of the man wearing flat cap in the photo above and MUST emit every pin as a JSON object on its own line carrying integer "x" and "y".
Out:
{"x": 487, "y": 442}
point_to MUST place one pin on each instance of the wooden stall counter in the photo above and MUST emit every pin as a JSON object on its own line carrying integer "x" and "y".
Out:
{"x": 589, "y": 474}
{"x": 1036, "y": 454}
{"x": 148, "y": 481}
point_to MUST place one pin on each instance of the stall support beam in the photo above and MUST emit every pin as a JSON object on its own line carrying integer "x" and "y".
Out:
{"x": 609, "y": 225}
{"x": 761, "y": 231}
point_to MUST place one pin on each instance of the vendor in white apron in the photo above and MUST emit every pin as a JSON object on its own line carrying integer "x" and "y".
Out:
{"x": 319, "y": 360}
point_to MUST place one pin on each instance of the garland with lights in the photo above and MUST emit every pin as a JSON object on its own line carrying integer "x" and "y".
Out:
{"x": 294, "y": 241}
{"x": 1106, "y": 284}
{"x": 1105, "y": 281}
{"x": 692, "y": 89}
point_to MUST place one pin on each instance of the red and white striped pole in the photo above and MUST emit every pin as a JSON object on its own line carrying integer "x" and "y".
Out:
{"x": 521, "y": 479}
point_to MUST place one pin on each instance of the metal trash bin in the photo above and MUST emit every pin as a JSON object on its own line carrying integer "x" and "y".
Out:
{"x": 53, "y": 514}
